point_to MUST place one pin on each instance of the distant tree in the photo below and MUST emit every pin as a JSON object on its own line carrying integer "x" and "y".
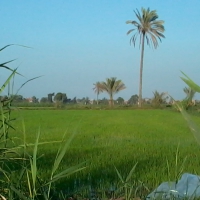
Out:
{"x": 120, "y": 100}
{"x": 133, "y": 99}
{"x": 44, "y": 100}
{"x": 74, "y": 101}
{"x": 97, "y": 89}
{"x": 35, "y": 100}
{"x": 17, "y": 98}
{"x": 159, "y": 98}
{"x": 60, "y": 97}
{"x": 104, "y": 101}
{"x": 64, "y": 98}
{"x": 112, "y": 86}
{"x": 148, "y": 28}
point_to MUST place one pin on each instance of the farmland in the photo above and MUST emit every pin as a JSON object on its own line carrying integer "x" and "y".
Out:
{"x": 108, "y": 138}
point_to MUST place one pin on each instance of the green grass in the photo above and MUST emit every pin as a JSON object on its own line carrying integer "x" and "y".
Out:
{"x": 113, "y": 137}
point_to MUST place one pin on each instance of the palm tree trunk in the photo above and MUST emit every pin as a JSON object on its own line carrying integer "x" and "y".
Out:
{"x": 97, "y": 99}
{"x": 111, "y": 100}
{"x": 141, "y": 70}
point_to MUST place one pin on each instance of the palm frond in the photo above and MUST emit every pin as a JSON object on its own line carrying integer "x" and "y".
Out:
{"x": 147, "y": 25}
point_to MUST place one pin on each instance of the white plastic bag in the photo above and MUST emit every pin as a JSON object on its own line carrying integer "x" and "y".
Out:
{"x": 187, "y": 187}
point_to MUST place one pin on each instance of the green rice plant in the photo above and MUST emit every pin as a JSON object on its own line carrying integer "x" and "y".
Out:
{"x": 179, "y": 168}
{"x": 129, "y": 188}
{"x": 25, "y": 182}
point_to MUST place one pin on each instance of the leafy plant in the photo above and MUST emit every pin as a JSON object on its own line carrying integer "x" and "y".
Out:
{"x": 127, "y": 186}
{"x": 19, "y": 172}
{"x": 159, "y": 98}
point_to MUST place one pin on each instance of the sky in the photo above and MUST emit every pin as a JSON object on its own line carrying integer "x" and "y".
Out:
{"x": 75, "y": 43}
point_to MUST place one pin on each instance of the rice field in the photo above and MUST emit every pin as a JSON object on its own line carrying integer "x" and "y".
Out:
{"x": 108, "y": 138}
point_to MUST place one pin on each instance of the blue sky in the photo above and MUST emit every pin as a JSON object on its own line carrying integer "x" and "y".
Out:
{"x": 76, "y": 43}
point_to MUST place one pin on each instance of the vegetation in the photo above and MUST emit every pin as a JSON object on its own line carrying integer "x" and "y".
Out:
{"x": 112, "y": 86}
{"x": 148, "y": 28}
{"x": 106, "y": 141}
{"x": 108, "y": 138}
{"x": 159, "y": 98}
{"x": 97, "y": 89}
{"x": 187, "y": 102}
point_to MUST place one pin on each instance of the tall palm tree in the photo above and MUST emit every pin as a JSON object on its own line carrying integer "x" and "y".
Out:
{"x": 97, "y": 89}
{"x": 148, "y": 28}
{"x": 112, "y": 86}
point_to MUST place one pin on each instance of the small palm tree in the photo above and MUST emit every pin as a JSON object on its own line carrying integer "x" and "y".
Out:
{"x": 148, "y": 28}
{"x": 159, "y": 98}
{"x": 97, "y": 89}
{"x": 112, "y": 86}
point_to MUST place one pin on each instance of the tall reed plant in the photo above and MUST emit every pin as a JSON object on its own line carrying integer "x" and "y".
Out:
{"x": 19, "y": 171}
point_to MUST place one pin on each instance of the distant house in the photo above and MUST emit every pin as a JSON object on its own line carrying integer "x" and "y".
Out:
{"x": 30, "y": 100}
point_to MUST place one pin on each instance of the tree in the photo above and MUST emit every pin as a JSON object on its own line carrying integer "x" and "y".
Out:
{"x": 149, "y": 29}
{"x": 34, "y": 99}
{"x": 44, "y": 100}
{"x": 159, "y": 98}
{"x": 133, "y": 99}
{"x": 112, "y": 86}
{"x": 60, "y": 97}
{"x": 97, "y": 89}
{"x": 120, "y": 100}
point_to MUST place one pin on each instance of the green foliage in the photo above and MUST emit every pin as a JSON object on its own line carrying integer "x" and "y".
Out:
{"x": 147, "y": 25}
{"x": 59, "y": 99}
{"x": 181, "y": 107}
{"x": 190, "y": 83}
{"x": 44, "y": 100}
{"x": 114, "y": 137}
{"x": 133, "y": 99}
{"x": 97, "y": 89}
{"x": 120, "y": 100}
{"x": 159, "y": 98}
{"x": 112, "y": 86}
{"x": 19, "y": 171}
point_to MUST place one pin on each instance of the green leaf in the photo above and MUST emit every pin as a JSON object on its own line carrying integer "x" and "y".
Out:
{"x": 7, "y": 81}
{"x": 192, "y": 125}
{"x": 33, "y": 163}
{"x": 61, "y": 153}
{"x": 190, "y": 83}
{"x": 119, "y": 175}
{"x": 18, "y": 193}
{"x": 131, "y": 172}
{"x": 67, "y": 172}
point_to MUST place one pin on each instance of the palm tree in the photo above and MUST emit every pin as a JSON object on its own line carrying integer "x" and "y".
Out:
{"x": 159, "y": 98}
{"x": 150, "y": 29}
{"x": 97, "y": 89}
{"x": 112, "y": 86}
